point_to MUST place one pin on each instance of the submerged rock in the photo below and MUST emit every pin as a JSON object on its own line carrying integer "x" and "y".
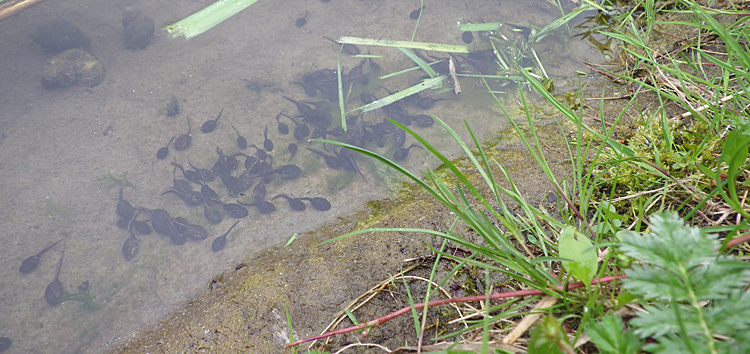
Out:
{"x": 59, "y": 35}
{"x": 73, "y": 67}
{"x": 138, "y": 29}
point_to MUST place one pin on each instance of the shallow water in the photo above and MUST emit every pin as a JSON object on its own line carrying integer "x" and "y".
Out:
{"x": 56, "y": 145}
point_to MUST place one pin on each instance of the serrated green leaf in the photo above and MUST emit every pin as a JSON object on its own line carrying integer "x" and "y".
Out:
{"x": 671, "y": 244}
{"x": 661, "y": 319}
{"x": 579, "y": 255}
{"x": 624, "y": 298}
{"x": 610, "y": 336}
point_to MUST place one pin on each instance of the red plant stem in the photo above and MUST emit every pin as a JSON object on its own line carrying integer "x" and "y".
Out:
{"x": 386, "y": 318}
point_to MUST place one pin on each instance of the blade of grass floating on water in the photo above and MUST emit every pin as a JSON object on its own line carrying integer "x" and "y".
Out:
{"x": 500, "y": 59}
{"x": 419, "y": 20}
{"x": 497, "y": 77}
{"x": 207, "y": 18}
{"x": 424, "y": 85}
{"x": 563, "y": 20}
{"x": 539, "y": 62}
{"x": 435, "y": 47}
{"x": 421, "y": 63}
{"x": 373, "y": 56}
{"x": 341, "y": 89}
{"x": 386, "y": 76}
{"x": 479, "y": 27}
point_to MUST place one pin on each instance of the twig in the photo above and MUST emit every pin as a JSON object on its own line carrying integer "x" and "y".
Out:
{"x": 701, "y": 108}
{"x": 386, "y": 318}
{"x": 529, "y": 320}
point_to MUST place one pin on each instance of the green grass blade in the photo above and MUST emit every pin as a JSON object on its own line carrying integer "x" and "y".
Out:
{"x": 479, "y": 27}
{"x": 424, "y": 85}
{"x": 339, "y": 82}
{"x": 207, "y": 18}
{"x": 435, "y": 47}
{"x": 421, "y": 63}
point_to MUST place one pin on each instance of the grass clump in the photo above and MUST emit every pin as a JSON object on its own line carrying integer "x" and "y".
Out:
{"x": 677, "y": 156}
{"x": 623, "y": 209}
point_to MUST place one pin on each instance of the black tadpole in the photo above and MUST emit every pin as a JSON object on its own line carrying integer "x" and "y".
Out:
{"x": 292, "y": 148}
{"x": 183, "y": 141}
{"x": 319, "y": 203}
{"x": 221, "y": 241}
{"x": 55, "y": 291}
{"x": 241, "y": 141}
{"x": 30, "y": 263}
{"x": 401, "y": 153}
{"x": 162, "y": 153}
{"x": 283, "y": 128}
{"x": 209, "y": 125}
{"x": 295, "y": 203}
{"x": 301, "y": 21}
{"x": 267, "y": 143}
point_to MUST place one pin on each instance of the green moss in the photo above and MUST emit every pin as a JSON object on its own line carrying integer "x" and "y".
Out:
{"x": 677, "y": 151}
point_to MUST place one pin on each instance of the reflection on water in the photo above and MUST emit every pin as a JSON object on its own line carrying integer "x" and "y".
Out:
{"x": 144, "y": 226}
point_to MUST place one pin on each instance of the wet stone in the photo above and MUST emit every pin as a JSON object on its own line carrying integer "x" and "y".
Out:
{"x": 58, "y": 35}
{"x": 72, "y": 67}
{"x": 138, "y": 29}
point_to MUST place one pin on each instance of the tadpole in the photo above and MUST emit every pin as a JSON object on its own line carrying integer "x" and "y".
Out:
{"x": 319, "y": 203}
{"x": 302, "y": 108}
{"x": 283, "y": 128}
{"x": 267, "y": 143}
{"x": 349, "y": 49}
{"x": 295, "y": 203}
{"x": 220, "y": 241}
{"x": 55, "y": 291}
{"x": 30, "y": 263}
{"x": 301, "y": 21}
{"x": 428, "y": 102}
{"x": 292, "y": 148}
{"x": 162, "y": 153}
{"x": 241, "y": 141}
{"x": 209, "y": 125}
{"x": 401, "y": 153}
{"x": 264, "y": 207}
{"x": 183, "y": 141}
